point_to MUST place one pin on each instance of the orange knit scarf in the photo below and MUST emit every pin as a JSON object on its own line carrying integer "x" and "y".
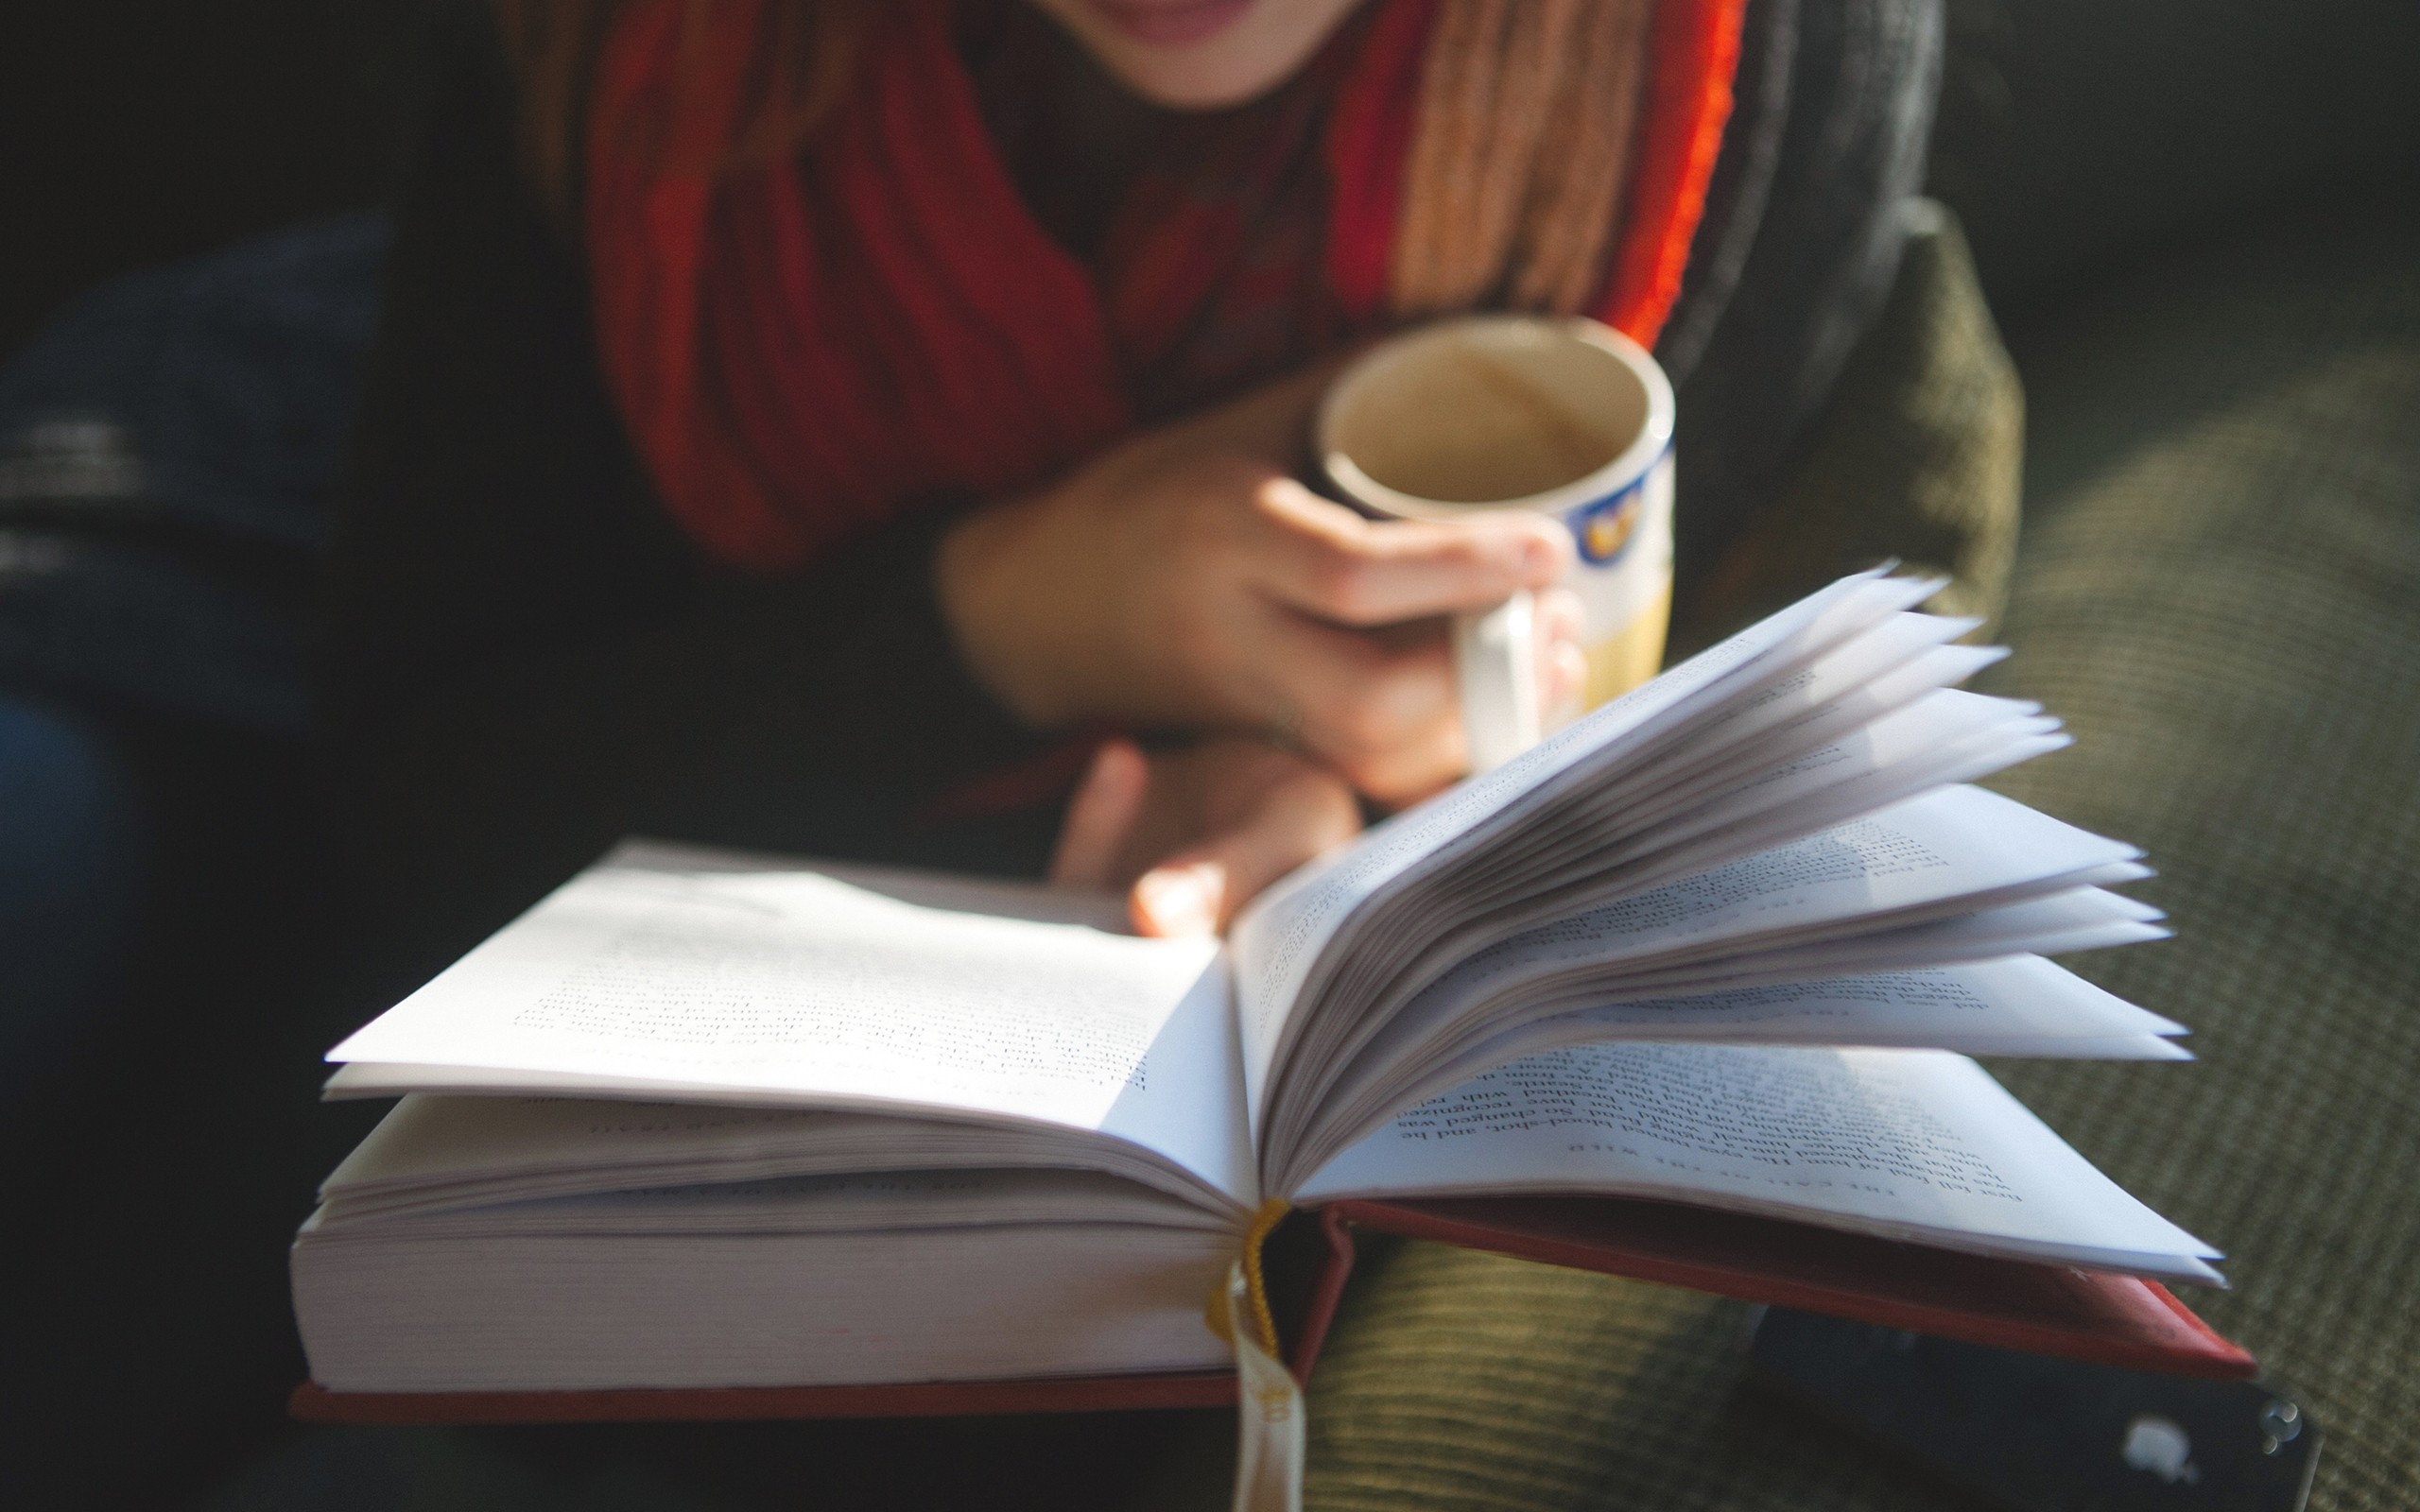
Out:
{"x": 800, "y": 351}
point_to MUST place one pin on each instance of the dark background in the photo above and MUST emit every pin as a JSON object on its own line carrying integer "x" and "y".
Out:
{"x": 2076, "y": 137}
{"x": 2082, "y": 141}
{"x": 132, "y": 131}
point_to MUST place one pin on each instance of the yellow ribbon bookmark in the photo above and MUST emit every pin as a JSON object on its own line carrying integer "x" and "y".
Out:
{"x": 1269, "y": 1405}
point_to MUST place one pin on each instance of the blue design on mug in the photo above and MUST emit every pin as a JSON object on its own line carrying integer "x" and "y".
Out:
{"x": 1603, "y": 529}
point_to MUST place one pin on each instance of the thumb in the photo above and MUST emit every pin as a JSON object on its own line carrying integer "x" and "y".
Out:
{"x": 1101, "y": 816}
{"x": 1200, "y": 889}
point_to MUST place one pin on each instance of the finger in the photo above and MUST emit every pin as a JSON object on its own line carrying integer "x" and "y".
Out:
{"x": 1358, "y": 693}
{"x": 1179, "y": 900}
{"x": 1427, "y": 763}
{"x": 1198, "y": 891}
{"x": 1567, "y": 679}
{"x": 1559, "y": 615}
{"x": 1319, "y": 556}
{"x": 1101, "y": 816}
{"x": 1562, "y": 663}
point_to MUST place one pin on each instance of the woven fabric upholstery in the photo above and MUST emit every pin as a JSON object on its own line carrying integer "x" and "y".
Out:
{"x": 2221, "y": 589}
{"x": 2225, "y": 606}
{"x": 1917, "y": 456}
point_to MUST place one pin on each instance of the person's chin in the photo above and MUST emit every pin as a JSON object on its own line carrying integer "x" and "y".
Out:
{"x": 1169, "y": 22}
{"x": 1199, "y": 54}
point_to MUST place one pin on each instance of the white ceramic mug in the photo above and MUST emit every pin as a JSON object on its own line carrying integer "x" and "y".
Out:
{"x": 1557, "y": 416}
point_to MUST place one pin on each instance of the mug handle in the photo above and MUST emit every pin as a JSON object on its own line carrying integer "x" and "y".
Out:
{"x": 1496, "y": 669}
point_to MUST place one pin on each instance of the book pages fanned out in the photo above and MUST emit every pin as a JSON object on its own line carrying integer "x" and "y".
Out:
{"x": 703, "y": 1121}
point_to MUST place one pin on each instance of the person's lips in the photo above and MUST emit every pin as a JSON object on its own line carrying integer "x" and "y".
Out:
{"x": 1169, "y": 22}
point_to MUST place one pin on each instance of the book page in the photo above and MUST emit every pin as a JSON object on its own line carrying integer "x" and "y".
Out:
{"x": 848, "y": 1202}
{"x": 1956, "y": 843}
{"x": 2078, "y": 919}
{"x": 436, "y": 1152}
{"x": 1280, "y": 937}
{"x": 1907, "y": 1144}
{"x": 808, "y": 990}
{"x": 2081, "y": 919}
{"x": 2022, "y": 1005}
{"x": 2018, "y": 1006}
{"x": 1951, "y": 844}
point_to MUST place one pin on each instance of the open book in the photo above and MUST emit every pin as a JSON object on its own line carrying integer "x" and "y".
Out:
{"x": 703, "y": 1121}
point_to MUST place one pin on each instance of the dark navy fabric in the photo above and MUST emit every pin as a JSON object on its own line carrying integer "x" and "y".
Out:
{"x": 167, "y": 447}
{"x": 72, "y": 878}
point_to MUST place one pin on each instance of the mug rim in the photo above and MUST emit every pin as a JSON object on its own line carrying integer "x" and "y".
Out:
{"x": 1627, "y": 469}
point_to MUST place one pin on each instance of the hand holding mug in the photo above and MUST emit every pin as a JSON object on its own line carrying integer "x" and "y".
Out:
{"x": 1184, "y": 580}
{"x": 1500, "y": 417}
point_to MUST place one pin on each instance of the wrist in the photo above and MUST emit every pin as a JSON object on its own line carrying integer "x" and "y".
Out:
{"x": 997, "y": 622}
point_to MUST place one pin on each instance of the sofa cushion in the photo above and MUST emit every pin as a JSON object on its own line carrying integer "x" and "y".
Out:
{"x": 2219, "y": 587}
{"x": 2220, "y": 593}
